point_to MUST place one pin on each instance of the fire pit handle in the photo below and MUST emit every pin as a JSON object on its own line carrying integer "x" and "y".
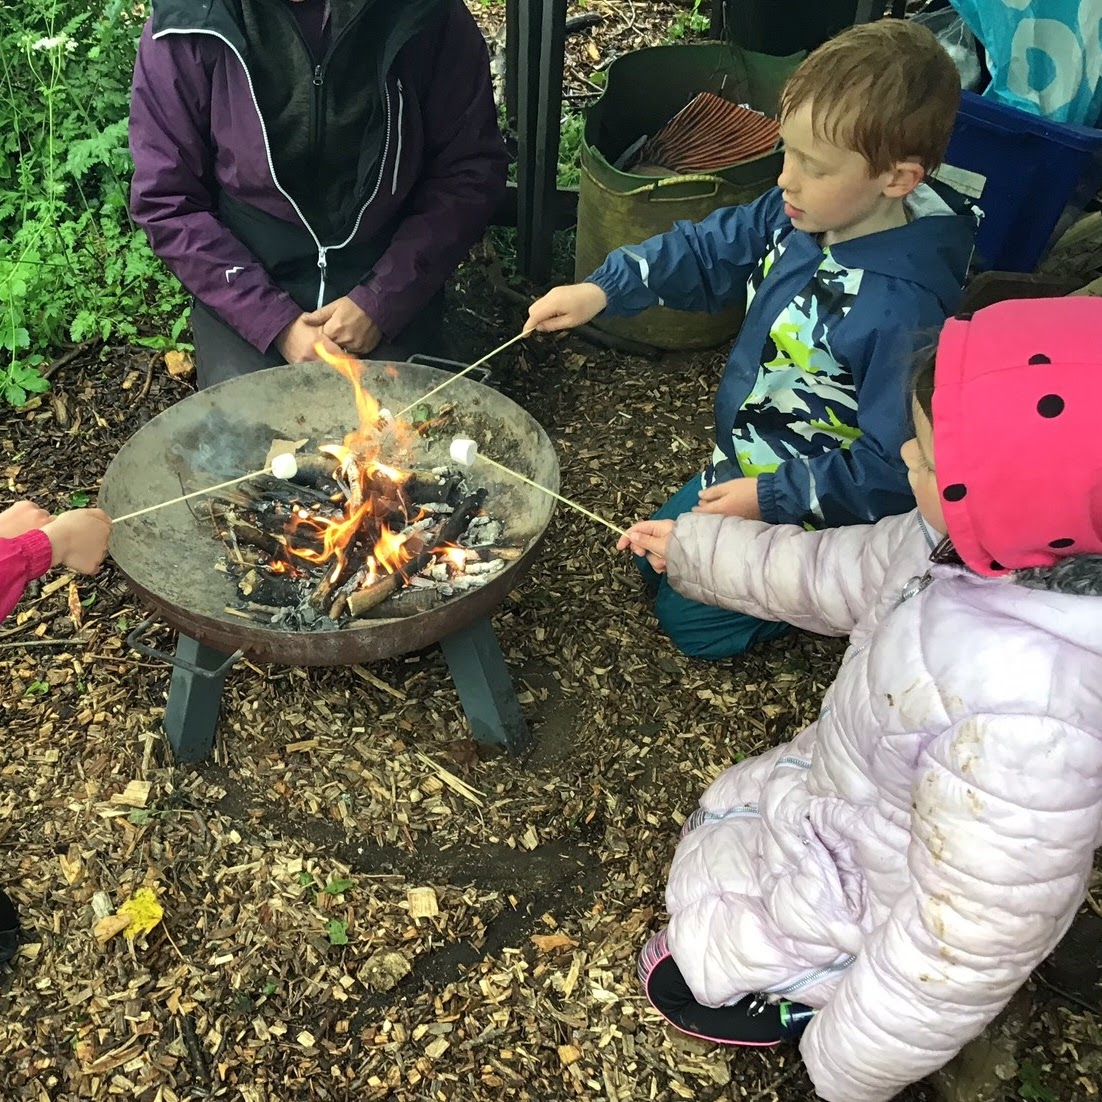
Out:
{"x": 481, "y": 375}
{"x": 133, "y": 640}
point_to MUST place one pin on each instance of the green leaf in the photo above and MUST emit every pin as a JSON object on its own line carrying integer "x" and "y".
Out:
{"x": 38, "y": 688}
{"x": 88, "y": 601}
{"x": 338, "y": 886}
{"x": 79, "y": 499}
{"x": 337, "y": 931}
{"x": 140, "y": 816}
{"x": 306, "y": 879}
{"x": 269, "y": 988}
{"x": 1032, "y": 1087}
{"x": 14, "y": 394}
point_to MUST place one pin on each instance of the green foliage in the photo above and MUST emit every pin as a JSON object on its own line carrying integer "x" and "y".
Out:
{"x": 72, "y": 264}
{"x": 337, "y": 931}
{"x": 690, "y": 22}
{"x": 1031, "y": 1084}
{"x": 570, "y": 148}
{"x": 338, "y": 885}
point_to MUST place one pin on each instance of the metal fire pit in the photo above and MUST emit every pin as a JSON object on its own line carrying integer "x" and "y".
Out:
{"x": 170, "y": 556}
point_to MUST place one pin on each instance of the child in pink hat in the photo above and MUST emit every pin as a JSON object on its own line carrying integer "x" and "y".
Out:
{"x": 893, "y": 875}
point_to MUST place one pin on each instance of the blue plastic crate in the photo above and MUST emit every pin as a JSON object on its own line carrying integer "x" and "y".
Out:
{"x": 1030, "y": 177}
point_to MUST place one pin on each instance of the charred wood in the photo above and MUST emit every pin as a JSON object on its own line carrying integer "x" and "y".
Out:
{"x": 364, "y": 600}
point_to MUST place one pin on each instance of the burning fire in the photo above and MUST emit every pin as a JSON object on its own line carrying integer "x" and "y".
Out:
{"x": 371, "y": 485}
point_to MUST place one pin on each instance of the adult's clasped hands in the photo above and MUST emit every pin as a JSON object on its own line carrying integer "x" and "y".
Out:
{"x": 340, "y": 327}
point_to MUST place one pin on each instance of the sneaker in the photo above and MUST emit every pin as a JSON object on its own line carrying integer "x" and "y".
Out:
{"x": 9, "y": 928}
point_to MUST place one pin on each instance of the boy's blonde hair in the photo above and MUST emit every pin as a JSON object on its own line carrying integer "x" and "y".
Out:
{"x": 887, "y": 90}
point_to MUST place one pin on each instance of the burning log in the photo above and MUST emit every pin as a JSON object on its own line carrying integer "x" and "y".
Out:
{"x": 322, "y": 597}
{"x": 364, "y": 600}
{"x": 316, "y": 470}
{"x": 411, "y": 602}
{"x": 243, "y": 532}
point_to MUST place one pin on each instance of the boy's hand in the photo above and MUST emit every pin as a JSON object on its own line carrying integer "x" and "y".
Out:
{"x": 23, "y": 516}
{"x": 736, "y": 498}
{"x": 296, "y": 342}
{"x": 566, "y": 307}
{"x": 79, "y": 539}
{"x": 649, "y": 538}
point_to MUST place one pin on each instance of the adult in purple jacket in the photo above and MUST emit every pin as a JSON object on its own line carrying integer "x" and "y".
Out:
{"x": 313, "y": 170}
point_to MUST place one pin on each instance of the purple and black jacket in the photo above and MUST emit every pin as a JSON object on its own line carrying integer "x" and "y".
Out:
{"x": 272, "y": 183}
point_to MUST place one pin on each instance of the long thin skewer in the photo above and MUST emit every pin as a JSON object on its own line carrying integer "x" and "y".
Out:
{"x": 194, "y": 493}
{"x": 459, "y": 374}
{"x": 558, "y": 497}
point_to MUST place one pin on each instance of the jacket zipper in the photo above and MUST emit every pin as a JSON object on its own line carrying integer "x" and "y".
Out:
{"x": 700, "y": 816}
{"x": 398, "y": 150}
{"x": 808, "y": 978}
{"x": 323, "y": 250}
{"x": 264, "y": 134}
{"x": 795, "y": 762}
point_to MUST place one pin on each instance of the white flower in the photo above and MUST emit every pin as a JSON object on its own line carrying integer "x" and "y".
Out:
{"x": 64, "y": 40}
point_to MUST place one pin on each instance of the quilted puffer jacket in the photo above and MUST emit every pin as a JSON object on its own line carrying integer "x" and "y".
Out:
{"x": 908, "y": 859}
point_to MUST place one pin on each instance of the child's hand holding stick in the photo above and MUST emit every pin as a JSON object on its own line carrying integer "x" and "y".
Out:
{"x": 79, "y": 539}
{"x": 649, "y": 539}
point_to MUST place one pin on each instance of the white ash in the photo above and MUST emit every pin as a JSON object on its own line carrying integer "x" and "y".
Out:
{"x": 482, "y": 532}
{"x": 462, "y": 582}
{"x": 485, "y": 568}
{"x": 418, "y": 526}
{"x": 441, "y": 507}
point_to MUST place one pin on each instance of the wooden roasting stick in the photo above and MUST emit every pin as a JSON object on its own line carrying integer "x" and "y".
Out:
{"x": 364, "y": 600}
{"x": 459, "y": 374}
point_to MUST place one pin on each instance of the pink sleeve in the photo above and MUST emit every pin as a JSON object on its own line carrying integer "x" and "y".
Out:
{"x": 22, "y": 560}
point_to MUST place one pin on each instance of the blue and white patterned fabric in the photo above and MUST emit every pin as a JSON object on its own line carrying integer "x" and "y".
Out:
{"x": 1045, "y": 56}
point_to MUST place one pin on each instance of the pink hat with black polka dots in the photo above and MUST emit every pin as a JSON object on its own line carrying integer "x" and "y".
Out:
{"x": 1018, "y": 432}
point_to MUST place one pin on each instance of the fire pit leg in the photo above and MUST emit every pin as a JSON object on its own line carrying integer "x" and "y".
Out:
{"x": 485, "y": 688}
{"x": 194, "y": 700}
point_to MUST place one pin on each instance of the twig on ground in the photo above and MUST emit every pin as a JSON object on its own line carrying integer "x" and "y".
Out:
{"x": 67, "y": 358}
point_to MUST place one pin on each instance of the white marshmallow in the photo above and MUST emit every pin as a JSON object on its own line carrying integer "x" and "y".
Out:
{"x": 385, "y": 416}
{"x": 284, "y": 465}
{"x": 463, "y": 451}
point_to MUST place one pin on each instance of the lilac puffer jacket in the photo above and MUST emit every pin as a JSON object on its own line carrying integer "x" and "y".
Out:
{"x": 907, "y": 860}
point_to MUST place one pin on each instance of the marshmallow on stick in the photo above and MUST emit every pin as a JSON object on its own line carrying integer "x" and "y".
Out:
{"x": 284, "y": 465}
{"x": 463, "y": 451}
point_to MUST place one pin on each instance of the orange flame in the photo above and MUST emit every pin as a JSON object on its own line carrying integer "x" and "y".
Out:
{"x": 359, "y": 462}
{"x": 390, "y": 551}
{"x": 367, "y": 409}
